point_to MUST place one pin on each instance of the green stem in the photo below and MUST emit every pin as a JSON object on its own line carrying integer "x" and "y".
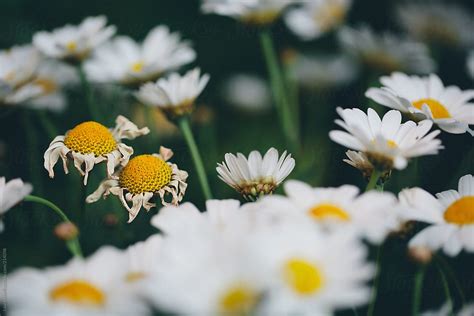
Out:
{"x": 277, "y": 83}
{"x": 447, "y": 291}
{"x": 185, "y": 127}
{"x": 374, "y": 177}
{"x": 417, "y": 293}
{"x": 452, "y": 276}
{"x": 73, "y": 245}
{"x": 373, "y": 296}
{"x": 93, "y": 110}
{"x": 47, "y": 124}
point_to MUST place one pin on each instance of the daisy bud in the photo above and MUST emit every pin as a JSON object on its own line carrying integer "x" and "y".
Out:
{"x": 66, "y": 231}
{"x": 421, "y": 255}
{"x": 110, "y": 220}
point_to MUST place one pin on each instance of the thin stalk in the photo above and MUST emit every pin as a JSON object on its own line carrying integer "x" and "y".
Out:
{"x": 447, "y": 291}
{"x": 374, "y": 177}
{"x": 185, "y": 127}
{"x": 452, "y": 276}
{"x": 418, "y": 290}
{"x": 73, "y": 245}
{"x": 47, "y": 124}
{"x": 373, "y": 296}
{"x": 89, "y": 99}
{"x": 277, "y": 83}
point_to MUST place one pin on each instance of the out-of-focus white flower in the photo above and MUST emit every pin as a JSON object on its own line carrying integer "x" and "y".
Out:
{"x": 435, "y": 21}
{"x": 141, "y": 179}
{"x": 311, "y": 273}
{"x": 372, "y": 215}
{"x": 323, "y": 71}
{"x": 427, "y": 97}
{"x": 314, "y": 18}
{"x": 125, "y": 61}
{"x": 90, "y": 143}
{"x": 248, "y": 11}
{"x": 175, "y": 94}
{"x": 11, "y": 193}
{"x": 386, "y": 142}
{"x": 386, "y": 52}
{"x": 247, "y": 92}
{"x": 451, "y": 214}
{"x": 470, "y": 64}
{"x": 255, "y": 176}
{"x": 90, "y": 286}
{"x": 75, "y": 43}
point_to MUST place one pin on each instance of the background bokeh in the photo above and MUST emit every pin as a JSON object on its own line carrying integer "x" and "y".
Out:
{"x": 224, "y": 48}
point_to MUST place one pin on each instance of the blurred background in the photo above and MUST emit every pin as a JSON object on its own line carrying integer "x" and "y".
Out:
{"x": 225, "y": 49}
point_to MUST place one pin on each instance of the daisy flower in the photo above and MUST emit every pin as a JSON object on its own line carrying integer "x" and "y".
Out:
{"x": 323, "y": 71}
{"x": 197, "y": 245}
{"x": 450, "y": 213}
{"x": 81, "y": 287}
{"x": 176, "y": 94}
{"x": 311, "y": 273}
{"x": 141, "y": 179}
{"x": 427, "y": 97}
{"x": 387, "y": 52}
{"x": 255, "y": 176}
{"x": 314, "y": 18}
{"x": 372, "y": 215}
{"x": 125, "y": 61}
{"x": 11, "y": 193}
{"x": 90, "y": 143}
{"x": 439, "y": 22}
{"x": 386, "y": 142}
{"x": 247, "y": 92}
{"x": 259, "y": 12}
{"x": 74, "y": 43}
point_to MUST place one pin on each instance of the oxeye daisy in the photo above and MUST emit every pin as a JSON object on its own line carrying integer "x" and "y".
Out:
{"x": 258, "y": 12}
{"x": 311, "y": 273}
{"x": 427, "y": 97}
{"x": 387, "y": 52}
{"x": 437, "y": 22}
{"x": 11, "y": 193}
{"x": 314, "y": 18}
{"x": 90, "y": 143}
{"x": 255, "y": 176}
{"x": 247, "y": 92}
{"x": 372, "y": 215}
{"x": 175, "y": 94}
{"x": 386, "y": 142}
{"x": 82, "y": 287}
{"x": 450, "y": 213}
{"x": 125, "y": 61}
{"x": 141, "y": 179}
{"x": 74, "y": 43}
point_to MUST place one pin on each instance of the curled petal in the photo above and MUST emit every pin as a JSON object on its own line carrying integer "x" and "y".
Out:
{"x": 125, "y": 129}
{"x": 104, "y": 189}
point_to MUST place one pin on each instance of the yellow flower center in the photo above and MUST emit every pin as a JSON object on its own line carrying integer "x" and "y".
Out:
{"x": 437, "y": 109}
{"x": 90, "y": 138}
{"x": 331, "y": 15}
{"x": 303, "y": 277}
{"x": 138, "y": 66}
{"x": 328, "y": 211}
{"x": 461, "y": 212}
{"x": 145, "y": 173}
{"x": 71, "y": 46}
{"x": 78, "y": 292}
{"x": 381, "y": 60}
{"x": 238, "y": 300}
{"x": 134, "y": 277}
{"x": 261, "y": 17}
{"x": 47, "y": 85}
{"x": 391, "y": 144}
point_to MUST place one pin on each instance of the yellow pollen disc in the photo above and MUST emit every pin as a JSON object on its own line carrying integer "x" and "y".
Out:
{"x": 381, "y": 60}
{"x": 78, "y": 292}
{"x": 145, "y": 173}
{"x": 262, "y": 17}
{"x": 238, "y": 300}
{"x": 331, "y": 15}
{"x": 328, "y": 211}
{"x": 302, "y": 276}
{"x": 48, "y": 86}
{"x": 134, "y": 276}
{"x": 138, "y": 66}
{"x": 90, "y": 138}
{"x": 437, "y": 109}
{"x": 461, "y": 212}
{"x": 391, "y": 144}
{"x": 71, "y": 46}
